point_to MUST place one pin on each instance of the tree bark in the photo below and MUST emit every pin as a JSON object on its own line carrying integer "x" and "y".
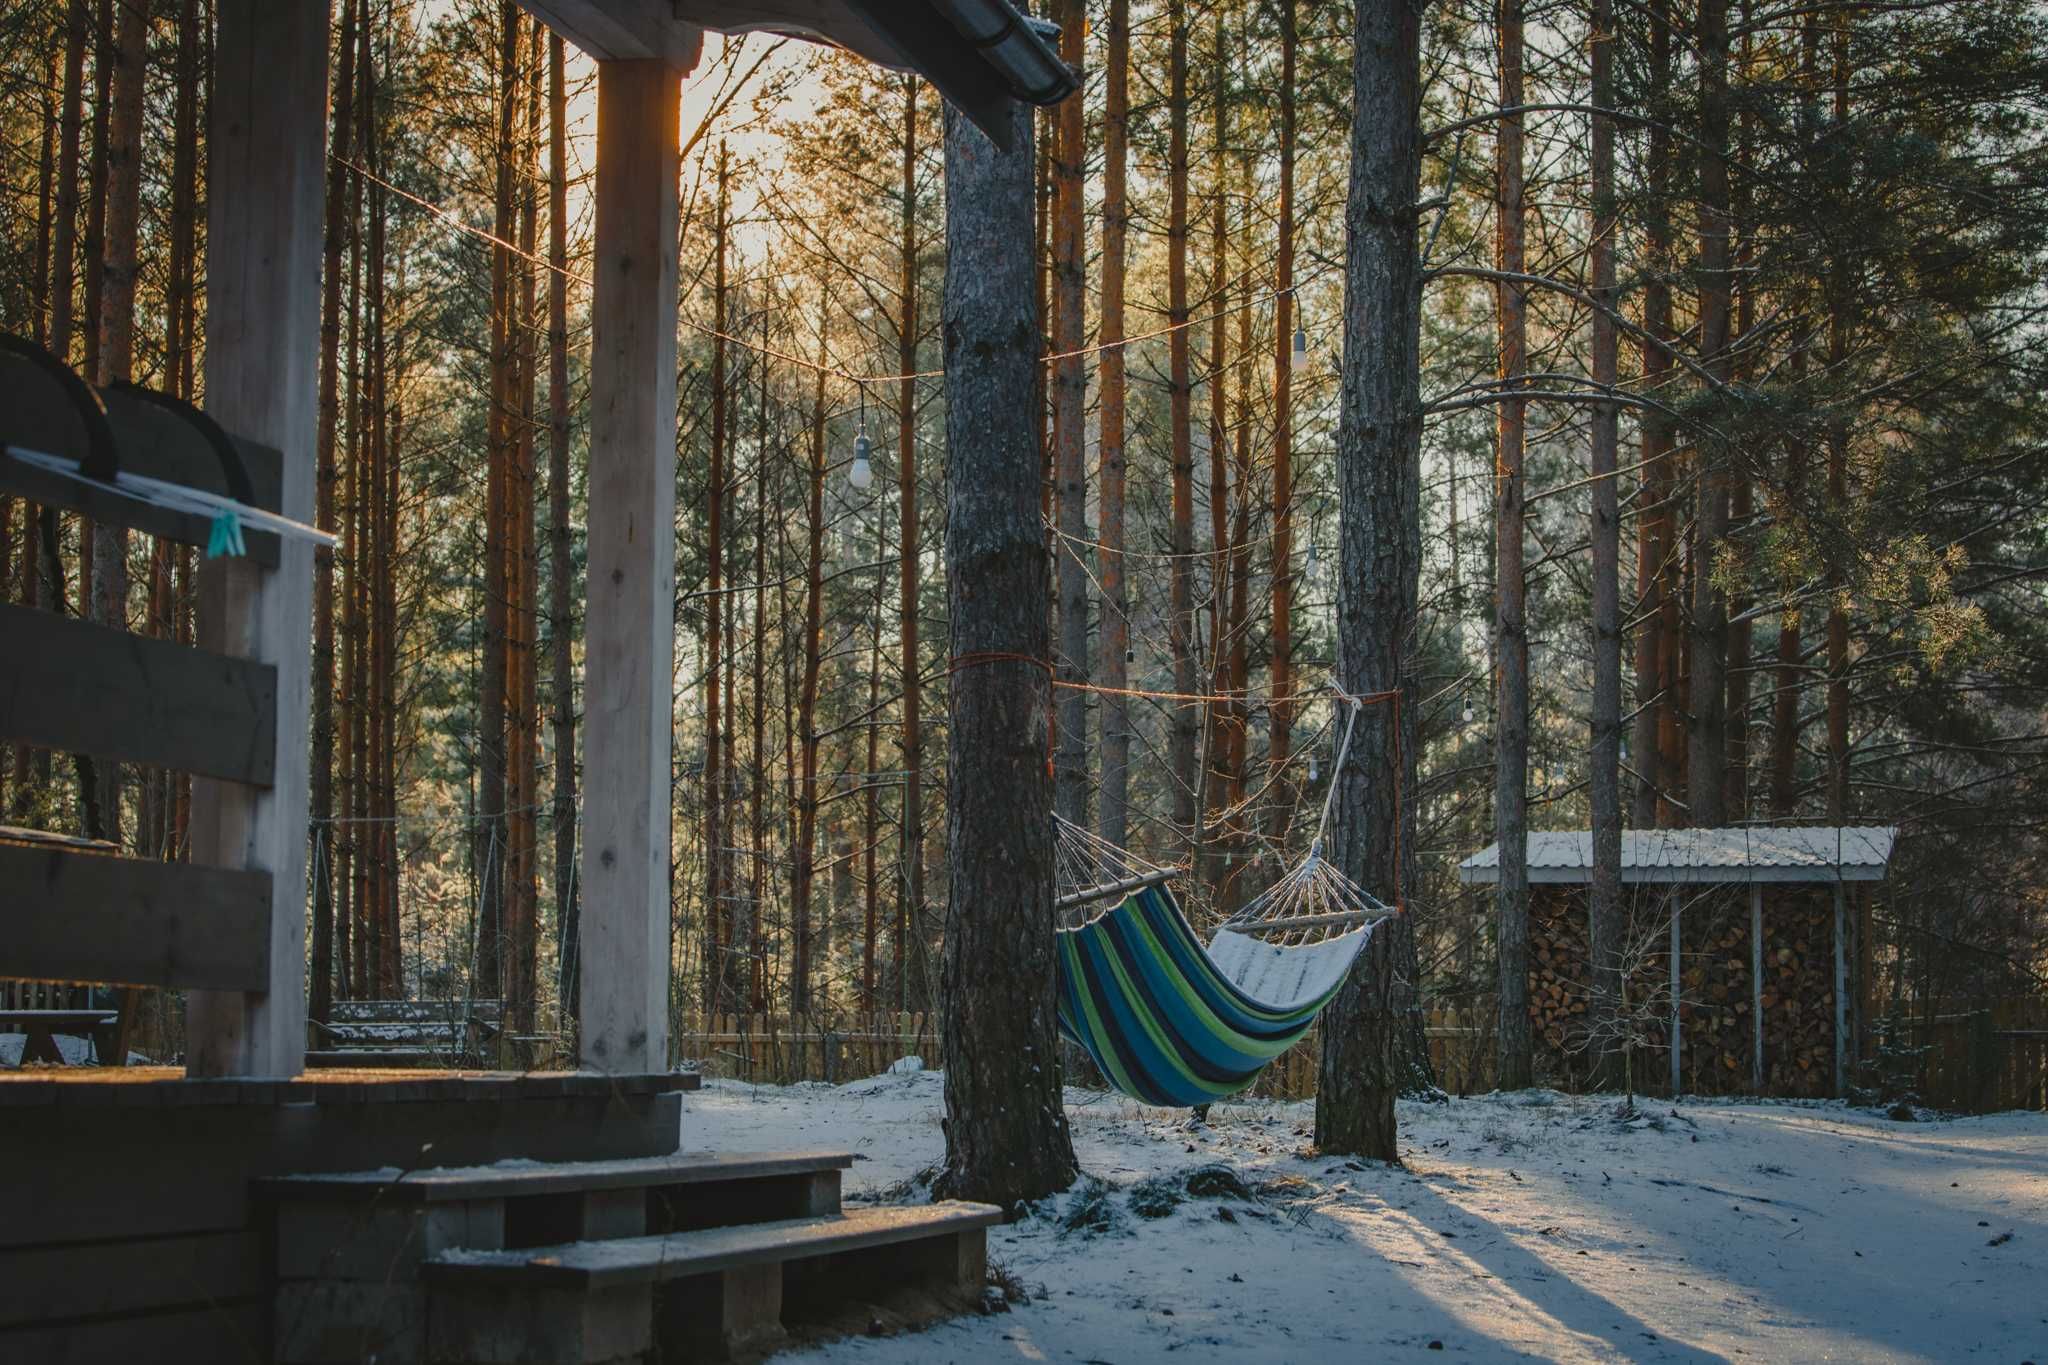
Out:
{"x": 1606, "y": 926}
{"x": 1113, "y": 636}
{"x": 1280, "y": 724}
{"x": 1707, "y": 759}
{"x": 561, "y": 559}
{"x": 1372, "y": 1038}
{"x": 717, "y": 936}
{"x": 1069, "y": 409}
{"x": 910, "y": 533}
{"x": 1006, "y": 1131}
{"x": 1511, "y": 637}
{"x": 320, "y": 989}
{"x": 1180, "y": 625}
{"x": 64, "y": 252}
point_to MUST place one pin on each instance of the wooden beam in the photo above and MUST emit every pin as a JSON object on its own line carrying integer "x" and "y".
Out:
{"x": 625, "y": 30}
{"x": 1756, "y": 986}
{"x": 1841, "y": 990}
{"x": 629, "y": 640}
{"x": 84, "y": 688}
{"x": 1677, "y": 996}
{"x": 148, "y": 439}
{"x": 135, "y": 921}
{"x": 266, "y": 164}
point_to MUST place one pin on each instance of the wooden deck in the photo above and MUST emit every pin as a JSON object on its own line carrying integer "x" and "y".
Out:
{"x": 134, "y": 1218}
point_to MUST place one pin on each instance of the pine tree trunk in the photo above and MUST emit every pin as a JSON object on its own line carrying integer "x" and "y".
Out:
{"x": 523, "y": 690}
{"x": 1658, "y": 551}
{"x": 1180, "y": 623}
{"x": 717, "y": 936}
{"x": 1006, "y": 1129}
{"x": 1372, "y": 1037}
{"x": 1069, "y": 405}
{"x": 805, "y": 853}
{"x": 1707, "y": 760}
{"x": 561, "y": 561}
{"x": 1841, "y": 321}
{"x": 64, "y": 251}
{"x": 123, "y": 212}
{"x": 1511, "y": 637}
{"x": 1213, "y": 842}
{"x": 1606, "y": 925}
{"x": 495, "y": 934}
{"x": 1113, "y": 636}
{"x": 1280, "y": 731}
{"x": 320, "y": 989}
{"x": 910, "y": 533}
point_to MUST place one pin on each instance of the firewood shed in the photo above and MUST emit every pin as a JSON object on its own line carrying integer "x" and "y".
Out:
{"x": 1745, "y": 952}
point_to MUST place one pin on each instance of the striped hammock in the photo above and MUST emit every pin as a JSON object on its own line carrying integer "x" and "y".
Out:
{"x": 1172, "y": 1021}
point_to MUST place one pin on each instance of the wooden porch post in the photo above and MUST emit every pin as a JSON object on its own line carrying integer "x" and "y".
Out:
{"x": 1756, "y": 985}
{"x": 266, "y": 154}
{"x": 629, "y": 633}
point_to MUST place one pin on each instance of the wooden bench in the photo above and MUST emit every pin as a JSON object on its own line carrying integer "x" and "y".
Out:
{"x": 404, "y": 1033}
{"x": 43, "y": 1026}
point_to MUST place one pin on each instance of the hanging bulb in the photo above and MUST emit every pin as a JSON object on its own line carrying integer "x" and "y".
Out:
{"x": 1130, "y": 655}
{"x": 1300, "y": 346}
{"x": 1313, "y": 772}
{"x": 1466, "y": 714}
{"x": 860, "y": 475}
{"x": 1310, "y": 567}
{"x": 1557, "y": 775}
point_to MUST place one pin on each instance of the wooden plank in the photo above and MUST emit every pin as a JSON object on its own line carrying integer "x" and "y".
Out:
{"x": 1841, "y": 990}
{"x": 500, "y": 1182}
{"x": 266, "y": 172}
{"x": 629, "y": 655}
{"x": 224, "y": 1330}
{"x": 134, "y": 921}
{"x": 1756, "y": 986}
{"x": 635, "y": 31}
{"x": 679, "y": 1255}
{"x": 1677, "y": 998}
{"x": 85, "y": 688}
{"x": 100, "y": 1278}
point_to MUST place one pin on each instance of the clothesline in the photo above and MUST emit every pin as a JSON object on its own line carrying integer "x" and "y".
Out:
{"x": 788, "y": 358}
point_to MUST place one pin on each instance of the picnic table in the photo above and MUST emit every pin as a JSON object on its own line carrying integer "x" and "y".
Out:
{"x": 43, "y": 1026}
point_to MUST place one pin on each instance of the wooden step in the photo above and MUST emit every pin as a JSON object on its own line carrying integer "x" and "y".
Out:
{"x": 349, "y": 1243}
{"x": 679, "y": 1255}
{"x": 511, "y": 1179}
{"x": 713, "y": 1293}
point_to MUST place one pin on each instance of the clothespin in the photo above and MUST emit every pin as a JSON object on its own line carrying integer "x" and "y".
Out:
{"x": 225, "y": 540}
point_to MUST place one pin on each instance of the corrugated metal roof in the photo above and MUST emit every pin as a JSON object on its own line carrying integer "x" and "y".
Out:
{"x": 1761, "y": 854}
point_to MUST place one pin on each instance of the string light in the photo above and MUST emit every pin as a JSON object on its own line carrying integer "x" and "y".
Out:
{"x": 1466, "y": 714}
{"x": 860, "y": 475}
{"x": 1310, "y": 567}
{"x": 1300, "y": 346}
{"x": 1313, "y": 771}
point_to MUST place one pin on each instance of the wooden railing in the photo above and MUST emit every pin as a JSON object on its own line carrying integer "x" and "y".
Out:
{"x": 74, "y": 914}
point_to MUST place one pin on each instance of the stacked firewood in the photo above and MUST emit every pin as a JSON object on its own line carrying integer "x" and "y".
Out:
{"x": 1715, "y": 995}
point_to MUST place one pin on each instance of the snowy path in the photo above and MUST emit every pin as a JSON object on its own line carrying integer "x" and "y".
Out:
{"x": 1523, "y": 1227}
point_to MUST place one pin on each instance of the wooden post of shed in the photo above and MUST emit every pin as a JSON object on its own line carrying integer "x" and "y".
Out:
{"x": 266, "y": 158}
{"x": 1841, "y": 986}
{"x": 1676, "y": 995}
{"x": 1756, "y": 985}
{"x": 629, "y": 653}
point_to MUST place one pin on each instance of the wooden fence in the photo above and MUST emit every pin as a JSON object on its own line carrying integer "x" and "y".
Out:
{"x": 1989, "y": 1056}
{"x": 774, "y": 1049}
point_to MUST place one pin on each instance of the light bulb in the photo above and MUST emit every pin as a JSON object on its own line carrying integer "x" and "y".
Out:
{"x": 1300, "y": 346}
{"x": 1466, "y": 714}
{"x": 1313, "y": 773}
{"x": 1130, "y": 655}
{"x": 860, "y": 475}
{"x": 1310, "y": 566}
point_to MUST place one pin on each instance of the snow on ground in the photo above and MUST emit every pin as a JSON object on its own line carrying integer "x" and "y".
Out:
{"x": 1522, "y": 1226}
